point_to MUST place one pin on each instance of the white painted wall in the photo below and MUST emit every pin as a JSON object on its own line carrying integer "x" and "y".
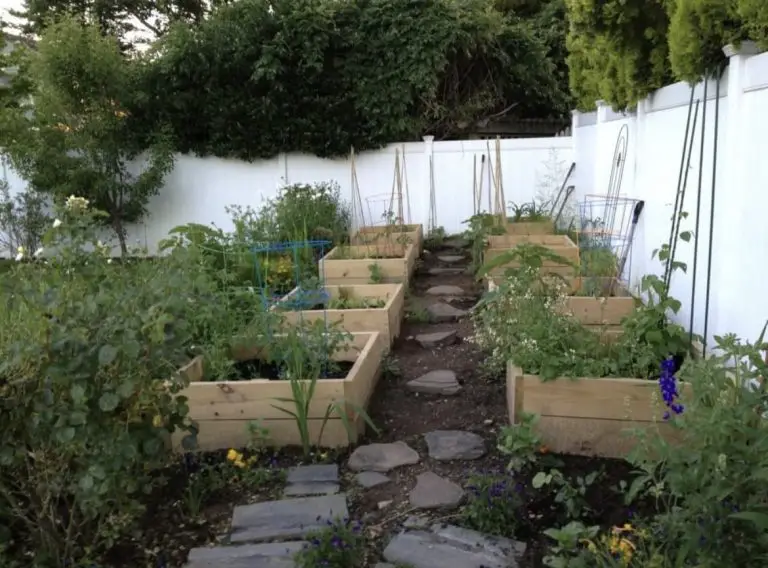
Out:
{"x": 738, "y": 303}
{"x": 199, "y": 189}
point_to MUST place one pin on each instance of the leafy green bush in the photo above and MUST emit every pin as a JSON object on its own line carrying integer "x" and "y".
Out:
{"x": 88, "y": 358}
{"x": 617, "y": 50}
{"x": 324, "y": 76}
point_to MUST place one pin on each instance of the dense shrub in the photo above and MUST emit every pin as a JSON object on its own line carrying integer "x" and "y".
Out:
{"x": 617, "y": 50}
{"x": 88, "y": 354}
{"x": 262, "y": 77}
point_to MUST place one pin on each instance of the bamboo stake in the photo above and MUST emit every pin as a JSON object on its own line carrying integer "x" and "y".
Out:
{"x": 503, "y": 201}
{"x": 474, "y": 184}
{"x": 407, "y": 191}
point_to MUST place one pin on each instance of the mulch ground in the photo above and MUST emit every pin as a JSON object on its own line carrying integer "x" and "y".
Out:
{"x": 405, "y": 416}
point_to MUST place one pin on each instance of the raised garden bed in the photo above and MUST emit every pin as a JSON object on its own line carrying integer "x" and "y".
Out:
{"x": 360, "y": 307}
{"x": 368, "y": 264}
{"x": 560, "y": 245}
{"x": 530, "y": 227}
{"x": 397, "y": 234}
{"x": 586, "y": 416}
{"x": 224, "y": 409}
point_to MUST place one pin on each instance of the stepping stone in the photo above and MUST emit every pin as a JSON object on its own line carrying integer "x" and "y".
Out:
{"x": 384, "y": 565}
{"x": 266, "y": 555}
{"x": 437, "y": 339}
{"x": 450, "y": 258}
{"x": 382, "y": 457}
{"x": 435, "y": 382}
{"x": 445, "y": 291}
{"x": 445, "y": 271}
{"x": 453, "y": 547}
{"x": 434, "y": 492}
{"x": 318, "y": 479}
{"x": 285, "y": 519}
{"x": 446, "y": 445}
{"x": 442, "y": 312}
{"x": 456, "y": 243}
{"x": 370, "y": 479}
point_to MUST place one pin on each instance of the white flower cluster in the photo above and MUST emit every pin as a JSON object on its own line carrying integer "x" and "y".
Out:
{"x": 76, "y": 204}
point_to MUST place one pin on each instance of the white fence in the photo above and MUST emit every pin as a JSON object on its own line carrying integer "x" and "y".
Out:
{"x": 199, "y": 189}
{"x": 738, "y": 303}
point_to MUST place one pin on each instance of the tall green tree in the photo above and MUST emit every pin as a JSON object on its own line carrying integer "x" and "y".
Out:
{"x": 78, "y": 138}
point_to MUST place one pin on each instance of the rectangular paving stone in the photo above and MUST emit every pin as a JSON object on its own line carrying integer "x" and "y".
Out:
{"x": 285, "y": 519}
{"x": 266, "y": 555}
{"x": 470, "y": 539}
{"x": 316, "y": 473}
{"x": 305, "y": 489}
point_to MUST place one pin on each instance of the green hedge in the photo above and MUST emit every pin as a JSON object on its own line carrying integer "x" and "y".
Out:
{"x": 258, "y": 78}
{"x": 621, "y": 50}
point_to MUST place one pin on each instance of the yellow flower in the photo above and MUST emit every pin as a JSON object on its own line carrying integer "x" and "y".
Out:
{"x": 157, "y": 421}
{"x": 239, "y": 463}
{"x": 233, "y": 455}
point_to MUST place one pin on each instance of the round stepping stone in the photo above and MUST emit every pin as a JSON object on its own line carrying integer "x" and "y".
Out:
{"x": 450, "y": 258}
{"x": 445, "y": 291}
{"x": 435, "y": 382}
{"x": 382, "y": 457}
{"x": 434, "y": 492}
{"x": 442, "y": 312}
{"x": 447, "y": 445}
{"x": 437, "y": 339}
{"x": 370, "y": 479}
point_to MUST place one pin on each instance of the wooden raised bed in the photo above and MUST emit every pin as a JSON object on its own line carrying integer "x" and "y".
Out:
{"x": 223, "y": 409}
{"x": 585, "y": 416}
{"x": 530, "y": 227}
{"x": 349, "y": 265}
{"x": 560, "y": 245}
{"x": 391, "y": 233}
{"x": 386, "y": 319}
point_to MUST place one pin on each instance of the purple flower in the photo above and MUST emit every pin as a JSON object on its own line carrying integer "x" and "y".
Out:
{"x": 668, "y": 388}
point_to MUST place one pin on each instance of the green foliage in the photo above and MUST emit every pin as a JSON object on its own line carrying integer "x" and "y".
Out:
{"x": 617, "y": 50}
{"x": 495, "y": 505}
{"x": 79, "y": 138}
{"x": 698, "y": 30}
{"x": 88, "y": 359}
{"x": 528, "y": 212}
{"x": 325, "y": 76}
{"x": 569, "y": 493}
{"x": 711, "y": 484}
{"x": 339, "y": 545}
{"x": 526, "y": 321}
{"x": 520, "y": 442}
{"x": 481, "y": 226}
{"x": 23, "y": 220}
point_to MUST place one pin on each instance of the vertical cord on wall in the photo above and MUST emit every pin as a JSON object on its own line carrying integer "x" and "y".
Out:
{"x": 675, "y": 216}
{"x": 718, "y": 76}
{"x": 407, "y": 192}
{"x": 697, "y": 221}
{"x": 432, "y": 223}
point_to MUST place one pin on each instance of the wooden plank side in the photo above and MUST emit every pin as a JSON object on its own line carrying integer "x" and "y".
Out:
{"x": 600, "y": 311}
{"x": 600, "y": 438}
{"x": 530, "y": 227}
{"x": 512, "y": 240}
{"x": 606, "y": 399}
{"x": 225, "y": 434}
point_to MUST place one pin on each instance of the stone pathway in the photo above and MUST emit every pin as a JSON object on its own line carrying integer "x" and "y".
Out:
{"x": 269, "y": 534}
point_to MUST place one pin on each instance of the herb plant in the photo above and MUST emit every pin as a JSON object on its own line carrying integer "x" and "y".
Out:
{"x": 338, "y": 545}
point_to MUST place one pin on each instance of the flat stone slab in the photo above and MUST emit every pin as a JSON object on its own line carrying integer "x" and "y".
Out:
{"x": 445, "y": 271}
{"x": 446, "y": 291}
{"x": 370, "y": 479}
{"x": 382, "y": 457}
{"x": 434, "y": 492}
{"x": 447, "y": 445}
{"x": 456, "y": 243}
{"x": 316, "y": 473}
{"x": 436, "y": 339}
{"x": 317, "y": 479}
{"x": 308, "y": 488}
{"x": 442, "y": 312}
{"x": 450, "y": 258}
{"x": 286, "y": 519}
{"x": 266, "y": 555}
{"x": 435, "y": 382}
{"x": 445, "y": 546}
